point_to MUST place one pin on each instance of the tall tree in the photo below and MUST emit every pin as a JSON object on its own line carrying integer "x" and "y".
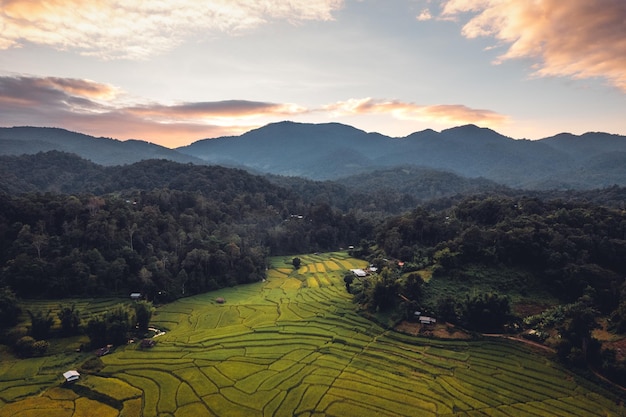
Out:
{"x": 70, "y": 320}
{"x": 9, "y": 308}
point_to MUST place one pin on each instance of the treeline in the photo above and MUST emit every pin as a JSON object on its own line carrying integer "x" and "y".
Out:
{"x": 61, "y": 246}
{"x": 569, "y": 245}
{"x": 574, "y": 251}
{"x": 113, "y": 327}
{"x": 206, "y": 228}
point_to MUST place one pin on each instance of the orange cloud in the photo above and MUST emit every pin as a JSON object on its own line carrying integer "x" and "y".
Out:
{"x": 100, "y": 109}
{"x": 215, "y": 109}
{"x": 442, "y": 113}
{"x": 572, "y": 38}
{"x": 24, "y": 91}
{"x": 136, "y": 30}
{"x": 424, "y": 15}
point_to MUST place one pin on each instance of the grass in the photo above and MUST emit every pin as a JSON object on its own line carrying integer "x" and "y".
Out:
{"x": 295, "y": 345}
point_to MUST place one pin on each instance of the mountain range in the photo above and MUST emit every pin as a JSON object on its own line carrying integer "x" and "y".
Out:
{"x": 331, "y": 150}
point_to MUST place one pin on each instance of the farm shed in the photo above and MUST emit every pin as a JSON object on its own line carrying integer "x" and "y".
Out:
{"x": 427, "y": 320}
{"x": 71, "y": 376}
{"x": 359, "y": 273}
{"x": 135, "y": 296}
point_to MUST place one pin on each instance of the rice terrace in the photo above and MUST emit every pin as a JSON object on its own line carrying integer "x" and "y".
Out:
{"x": 294, "y": 345}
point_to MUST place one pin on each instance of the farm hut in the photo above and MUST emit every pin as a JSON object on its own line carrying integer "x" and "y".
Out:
{"x": 427, "y": 320}
{"x": 135, "y": 296}
{"x": 71, "y": 376}
{"x": 220, "y": 300}
{"x": 359, "y": 273}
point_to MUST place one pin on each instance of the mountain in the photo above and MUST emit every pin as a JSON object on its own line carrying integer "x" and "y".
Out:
{"x": 317, "y": 151}
{"x": 330, "y": 151}
{"x": 103, "y": 151}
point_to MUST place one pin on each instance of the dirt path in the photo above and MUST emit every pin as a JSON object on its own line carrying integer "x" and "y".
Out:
{"x": 521, "y": 340}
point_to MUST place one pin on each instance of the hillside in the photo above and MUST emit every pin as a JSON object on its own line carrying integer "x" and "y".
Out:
{"x": 103, "y": 151}
{"x": 294, "y": 345}
{"x": 470, "y": 255}
{"x": 330, "y": 151}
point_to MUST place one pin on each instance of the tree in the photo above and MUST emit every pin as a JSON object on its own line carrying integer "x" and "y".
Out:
{"x": 40, "y": 347}
{"x": 24, "y": 346}
{"x": 40, "y": 324}
{"x": 383, "y": 294}
{"x": 447, "y": 309}
{"x": 577, "y": 344}
{"x": 143, "y": 313}
{"x": 485, "y": 312}
{"x": 296, "y": 262}
{"x": 348, "y": 279}
{"x": 70, "y": 320}
{"x": 119, "y": 321}
{"x": 412, "y": 287}
{"x": 9, "y": 309}
{"x": 96, "y": 330}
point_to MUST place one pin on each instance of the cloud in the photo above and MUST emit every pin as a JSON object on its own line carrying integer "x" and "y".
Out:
{"x": 104, "y": 110}
{"x": 442, "y": 113}
{"x": 101, "y": 109}
{"x": 52, "y": 93}
{"x": 424, "y": 15}
{"x": 215, "y": 109}
{"x": 136, "y": 30}
{"x": 573, "y": 38}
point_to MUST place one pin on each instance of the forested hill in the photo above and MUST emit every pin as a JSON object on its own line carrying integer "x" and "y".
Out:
{"x": 104, "y": 151}
{"x": 330, "y": 151}
{"x": 61, "y": 172}
{"x": 154, "y": 227}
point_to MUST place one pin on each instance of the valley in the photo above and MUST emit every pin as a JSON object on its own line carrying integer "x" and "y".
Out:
{"x": 296, "y": 345}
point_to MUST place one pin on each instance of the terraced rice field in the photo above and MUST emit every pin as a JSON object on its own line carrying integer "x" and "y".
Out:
{"x": 294, "y": 346}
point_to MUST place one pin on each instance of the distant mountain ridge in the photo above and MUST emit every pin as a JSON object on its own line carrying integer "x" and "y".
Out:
{"x": 103, "y": 151}
{"x": 330, "y": 151}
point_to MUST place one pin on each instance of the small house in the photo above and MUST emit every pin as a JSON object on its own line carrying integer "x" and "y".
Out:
{"x": 427, "y": 320}
{"x": 71, "y": 376}
{"x": 135, "y": 296}
{"x": 359, "y": 273}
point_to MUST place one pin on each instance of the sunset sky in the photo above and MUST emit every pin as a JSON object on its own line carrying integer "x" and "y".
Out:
{"x": 172, "y": 72}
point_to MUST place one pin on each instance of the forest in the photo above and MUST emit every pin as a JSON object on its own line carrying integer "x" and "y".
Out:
{"x": 70, "y": 228}
{"x": 162, "y": 242}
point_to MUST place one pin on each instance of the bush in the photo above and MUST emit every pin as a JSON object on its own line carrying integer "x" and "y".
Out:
{"x": 24, "y": 347}
{"x": 12, "y": 336}
{"x": 27, "y": 347}
{"x": 40, "y": 347}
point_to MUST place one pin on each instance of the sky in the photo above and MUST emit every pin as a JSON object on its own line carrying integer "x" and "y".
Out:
{"x": 172, "y": 72}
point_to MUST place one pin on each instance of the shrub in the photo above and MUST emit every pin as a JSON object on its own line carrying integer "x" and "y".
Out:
{"x": 40, "y": 347}
{"x": 24, "y": 347}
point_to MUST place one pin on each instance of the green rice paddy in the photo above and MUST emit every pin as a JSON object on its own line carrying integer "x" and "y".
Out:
{"x": 295, "y": 346}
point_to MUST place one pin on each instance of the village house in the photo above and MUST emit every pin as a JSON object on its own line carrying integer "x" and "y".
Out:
{"x": 71, "y": 376}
